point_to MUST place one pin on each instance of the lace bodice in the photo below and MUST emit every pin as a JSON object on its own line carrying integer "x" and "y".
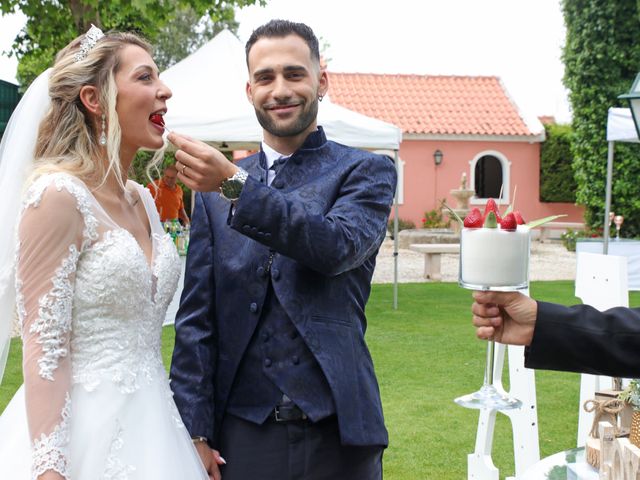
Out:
{"x": 115, "y": 284}
{"x": 90, "y": 305}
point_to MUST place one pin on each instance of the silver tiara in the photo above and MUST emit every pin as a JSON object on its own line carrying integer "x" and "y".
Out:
{"x": 88, "y": 42}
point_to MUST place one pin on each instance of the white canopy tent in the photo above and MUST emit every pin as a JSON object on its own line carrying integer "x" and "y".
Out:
{"x": 210, "y": 104}
{"x": 620, "y": 128}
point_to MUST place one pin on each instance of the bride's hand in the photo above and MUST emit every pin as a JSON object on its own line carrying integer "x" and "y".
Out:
{"x": 210, "y": 459}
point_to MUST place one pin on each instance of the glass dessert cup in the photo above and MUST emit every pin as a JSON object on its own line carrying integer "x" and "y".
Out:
{"x": 489, "y": 397}
{"x": 494, "y": 260}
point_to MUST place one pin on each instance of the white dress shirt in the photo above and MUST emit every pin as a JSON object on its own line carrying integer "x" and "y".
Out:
{"x": 271, "y": 155}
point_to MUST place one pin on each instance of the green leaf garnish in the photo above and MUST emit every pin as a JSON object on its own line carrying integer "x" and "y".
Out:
{"x": 491, "y": 221}
{"x": 542, "y": 221}
{"x": 455, "y": 215}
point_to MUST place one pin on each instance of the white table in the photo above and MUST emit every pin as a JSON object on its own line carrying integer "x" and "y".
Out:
{"x": 622, "y": 247}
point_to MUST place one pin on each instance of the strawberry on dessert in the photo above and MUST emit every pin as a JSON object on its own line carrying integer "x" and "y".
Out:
{"x": 492, "y": 206}
{"x": 509, "y": 222}
{"x": 519, "y": 218}
{"x": 474, "y": 219}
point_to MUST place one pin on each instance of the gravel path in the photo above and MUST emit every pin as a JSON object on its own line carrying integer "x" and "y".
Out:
{"x": 549, "y": 261}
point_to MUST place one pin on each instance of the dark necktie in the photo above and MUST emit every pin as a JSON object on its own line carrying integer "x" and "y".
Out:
{"x": 277, "y": 165}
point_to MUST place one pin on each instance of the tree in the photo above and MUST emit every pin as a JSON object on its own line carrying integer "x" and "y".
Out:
{"x": 51, "y": 24}
{"x": 602, "y": 57}
{"x": 557, "y": 183}
{"x": 185, "y": 33}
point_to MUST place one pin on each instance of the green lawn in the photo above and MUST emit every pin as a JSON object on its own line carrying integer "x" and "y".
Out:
{"x": 426, "y": 354}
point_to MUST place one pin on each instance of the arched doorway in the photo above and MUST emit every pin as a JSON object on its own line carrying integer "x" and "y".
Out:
{"x": 488, "y": 177}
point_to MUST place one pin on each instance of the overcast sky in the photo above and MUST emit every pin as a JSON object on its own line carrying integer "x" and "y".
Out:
{"x": 519, "y": 41}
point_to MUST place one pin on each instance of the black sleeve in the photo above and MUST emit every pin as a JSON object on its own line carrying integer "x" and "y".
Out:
{"x": 583, "y": 339}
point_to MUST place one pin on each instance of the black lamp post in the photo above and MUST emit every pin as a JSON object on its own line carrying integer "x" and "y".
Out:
{"x": 633, "y": 97}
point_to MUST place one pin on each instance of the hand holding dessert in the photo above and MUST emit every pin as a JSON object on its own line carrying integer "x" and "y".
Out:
{"x": 505, "y": 317}
{"x": 494, "y": 256}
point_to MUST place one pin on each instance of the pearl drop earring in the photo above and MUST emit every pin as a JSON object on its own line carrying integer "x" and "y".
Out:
{"x": 103, "y": 134}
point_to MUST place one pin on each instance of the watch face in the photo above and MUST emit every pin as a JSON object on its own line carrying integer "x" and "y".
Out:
{"x": 232, "y": 188}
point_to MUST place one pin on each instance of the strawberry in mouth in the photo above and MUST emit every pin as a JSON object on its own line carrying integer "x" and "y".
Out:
{"x": 157, "y": 119}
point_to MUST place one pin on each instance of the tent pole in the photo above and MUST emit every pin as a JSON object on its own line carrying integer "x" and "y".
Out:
{"x": 607, "y": 198}
{"x": 395, "y": 238}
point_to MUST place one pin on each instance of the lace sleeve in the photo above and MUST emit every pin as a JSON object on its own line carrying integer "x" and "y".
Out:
{"x": 50, "y": 238}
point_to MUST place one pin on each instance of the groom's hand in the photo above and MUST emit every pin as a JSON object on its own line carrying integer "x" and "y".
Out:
{"x": 210, "y": 459}
{"x": 200, "y": 166}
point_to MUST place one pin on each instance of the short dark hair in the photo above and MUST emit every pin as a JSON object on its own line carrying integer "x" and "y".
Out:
{"x": 281, "y": 28}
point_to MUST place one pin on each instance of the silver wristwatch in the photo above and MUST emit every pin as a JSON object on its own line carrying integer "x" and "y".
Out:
{"x": 231, "y": 188}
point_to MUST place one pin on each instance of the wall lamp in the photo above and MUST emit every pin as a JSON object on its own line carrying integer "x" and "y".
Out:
{"x": 437, "y": 157}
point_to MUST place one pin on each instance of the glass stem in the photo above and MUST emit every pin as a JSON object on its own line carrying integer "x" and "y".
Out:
{"x": 488, "y": 370}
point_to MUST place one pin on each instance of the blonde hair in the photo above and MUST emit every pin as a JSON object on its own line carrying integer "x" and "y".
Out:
{"x": 68, "y": 137}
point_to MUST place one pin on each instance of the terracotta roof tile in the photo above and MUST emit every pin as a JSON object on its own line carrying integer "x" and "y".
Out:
{"x": 428, "y": 104}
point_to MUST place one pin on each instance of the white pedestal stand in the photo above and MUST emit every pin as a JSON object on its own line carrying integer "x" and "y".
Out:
{"x": 524, "y": 420}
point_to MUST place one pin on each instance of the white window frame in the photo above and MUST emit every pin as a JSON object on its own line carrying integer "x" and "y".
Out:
{"x": 505, "y": 164}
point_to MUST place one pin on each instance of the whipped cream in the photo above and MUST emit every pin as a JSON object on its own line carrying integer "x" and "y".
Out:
{"x": 494, "y": 258}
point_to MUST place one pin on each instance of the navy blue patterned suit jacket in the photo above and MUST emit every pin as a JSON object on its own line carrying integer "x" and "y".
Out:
{"x": 316, "y": 232}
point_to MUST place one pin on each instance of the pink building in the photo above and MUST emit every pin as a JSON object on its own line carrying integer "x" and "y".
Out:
{"x": 472, "y": 122}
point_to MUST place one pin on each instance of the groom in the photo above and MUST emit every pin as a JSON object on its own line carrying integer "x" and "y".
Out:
{"x": 270, "y": 366}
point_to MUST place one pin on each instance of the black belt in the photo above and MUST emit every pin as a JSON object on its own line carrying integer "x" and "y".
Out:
{"x": 288, "y": 413}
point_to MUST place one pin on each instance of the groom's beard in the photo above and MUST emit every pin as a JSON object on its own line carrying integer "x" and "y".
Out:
{"x": 306, "y": 117}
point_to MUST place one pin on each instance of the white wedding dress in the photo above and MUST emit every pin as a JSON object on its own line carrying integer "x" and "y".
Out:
{"x": 96, "y": 402}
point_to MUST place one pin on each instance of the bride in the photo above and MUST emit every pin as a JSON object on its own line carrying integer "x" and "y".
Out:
{"x": 94, "y": 273}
